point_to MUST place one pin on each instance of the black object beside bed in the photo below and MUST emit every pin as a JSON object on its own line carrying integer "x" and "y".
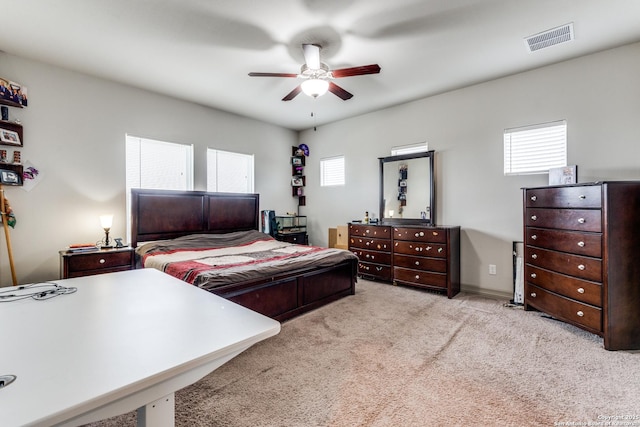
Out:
{"x": 194, "y": 218}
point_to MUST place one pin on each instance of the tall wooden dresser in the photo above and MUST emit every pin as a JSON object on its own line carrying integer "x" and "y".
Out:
{"x": 424, "y": 257}
{"x": 582, "y": 244}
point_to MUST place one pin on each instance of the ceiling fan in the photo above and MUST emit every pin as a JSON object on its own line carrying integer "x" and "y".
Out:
{"x": 317, "y": 75}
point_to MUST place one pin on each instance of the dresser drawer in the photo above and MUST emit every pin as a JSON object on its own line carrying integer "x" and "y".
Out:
{"x": 382, "y": 272}
{"x": 565, "y": 219}
{"x": 577, "y": 289}
{"x": 433, "y": 235}
{"x": 417, "y": 277}
{"x": 380, "y": 232}
{"x": 563, "y": 308}
{"x": 370, "y": 244}
{"x": 372, "y": 256}
{"x": 419, "y": 263}
{"x": 421, "y": 249}
{"x": 573, "y": 265}
{"x": 579, "y": 243}
{"x": 588, "y": 196}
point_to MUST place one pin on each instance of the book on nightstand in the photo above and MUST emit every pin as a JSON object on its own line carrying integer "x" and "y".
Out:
{"x": 82, "y": 247}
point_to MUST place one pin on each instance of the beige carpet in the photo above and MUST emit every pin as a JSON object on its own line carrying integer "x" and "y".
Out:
{"x": 395, "y": 356}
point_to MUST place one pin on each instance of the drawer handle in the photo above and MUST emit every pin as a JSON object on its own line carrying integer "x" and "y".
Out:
{"x": 581, "y": 244}
{"x": 580, "y": 313}
{"x": 533, "y": 294}
{"x": 102, "y": 261}
{"x": 534, "y": 256}
{"x": 440, "y": 250}
{"x": 581, "y": 221}
{"x": 429, "y": 248}
{"x": 534, "y": 237}
{"x": 582, "y": 197}
{"x": 379, "y": 268}
{"x": 534, "y": 198}
{"x": 417, "y": 234}
{"x": 581, "y": 290}
{"x": 534, "y": 275}
{"x": 581, "y": 267}
{"x": 417, "y": 262}
{"x": 421, "y": 233}
{"x": 417, "y": 277}
{"x": 534, "y": 218}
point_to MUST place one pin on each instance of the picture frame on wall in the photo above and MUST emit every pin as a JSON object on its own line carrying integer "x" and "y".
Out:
{"x": 13, "y": 93}
{"x": 297, "y": 182}
{"x": 9, "y": 137}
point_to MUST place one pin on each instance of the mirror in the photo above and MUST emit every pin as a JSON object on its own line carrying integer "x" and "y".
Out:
{"x": 407, "y": 190}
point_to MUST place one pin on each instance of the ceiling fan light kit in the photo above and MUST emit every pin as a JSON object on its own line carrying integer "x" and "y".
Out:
{"x": 315, "y": 87}
{"x": 318, "y": 76}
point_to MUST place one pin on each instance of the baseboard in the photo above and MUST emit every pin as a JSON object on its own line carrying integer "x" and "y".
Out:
{"x": 489, "y": 293}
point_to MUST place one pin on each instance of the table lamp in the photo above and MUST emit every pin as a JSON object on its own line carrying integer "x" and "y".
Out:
{"x": 106, "y": 221}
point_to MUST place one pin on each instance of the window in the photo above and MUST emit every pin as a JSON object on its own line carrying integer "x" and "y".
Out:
{"x": 156, "y": 165}
{"x": 420, "y": 147}
{"x": 332, "y": 171}
{"x": 535, "y": 149}
{"x": 229, "y": 172}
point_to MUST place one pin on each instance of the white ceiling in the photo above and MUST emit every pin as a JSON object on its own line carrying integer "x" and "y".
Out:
{"x": 202, "y": 50}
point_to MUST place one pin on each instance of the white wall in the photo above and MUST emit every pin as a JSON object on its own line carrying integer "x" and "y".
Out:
{"x": 598, "y": 95}
{"x": 74, "y": 133}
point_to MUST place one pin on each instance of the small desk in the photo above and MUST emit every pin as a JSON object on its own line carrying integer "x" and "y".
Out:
{"x": 123, "y": 341}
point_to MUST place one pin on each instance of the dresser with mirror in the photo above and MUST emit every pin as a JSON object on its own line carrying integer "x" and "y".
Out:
{"x": 406, "y": 247}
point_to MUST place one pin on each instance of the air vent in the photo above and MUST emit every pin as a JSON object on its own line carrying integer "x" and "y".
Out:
{"x": 550, "y": 37}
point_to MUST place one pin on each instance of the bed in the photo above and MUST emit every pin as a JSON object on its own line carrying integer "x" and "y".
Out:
{"x": 212, "y": 241}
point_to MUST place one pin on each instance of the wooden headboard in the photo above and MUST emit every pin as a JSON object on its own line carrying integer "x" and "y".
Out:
{"x": 167, "y": 214}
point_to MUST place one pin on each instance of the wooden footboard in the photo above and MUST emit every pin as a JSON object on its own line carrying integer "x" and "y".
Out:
{"x": 287, "y": 296}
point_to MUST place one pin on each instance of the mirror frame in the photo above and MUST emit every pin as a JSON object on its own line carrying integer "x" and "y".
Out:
{"x": 409, "y": 221}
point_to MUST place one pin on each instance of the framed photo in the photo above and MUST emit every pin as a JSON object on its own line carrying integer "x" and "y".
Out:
{"x": 9, "y": 137}
{"x": 9, "y": 177}
{"x": 12, "y": 93}
{"x": 296, "y": 161}
{"x": 297, "y": 182}
{"x": 563, "y": 175}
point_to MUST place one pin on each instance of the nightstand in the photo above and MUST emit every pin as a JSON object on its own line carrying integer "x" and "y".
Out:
{"x": 300, "y": 238}
{"x": 77, "y": 264}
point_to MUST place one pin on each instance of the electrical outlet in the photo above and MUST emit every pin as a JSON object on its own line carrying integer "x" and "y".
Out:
{"x": 492, "y": 269}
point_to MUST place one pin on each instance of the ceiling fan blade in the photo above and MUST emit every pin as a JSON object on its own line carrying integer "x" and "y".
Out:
{"x": 338, "y": 91}
{"x": 293, "y": 93}
{"x": 356, "y": 71}
{"x": 272, "y": 75}
{"x": 311, "y": 55}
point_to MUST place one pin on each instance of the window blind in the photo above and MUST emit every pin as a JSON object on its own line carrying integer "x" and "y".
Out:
{"x": 535, "y": 149}
{"x": 229, "y": 172}
{"x": 332, "y": 171}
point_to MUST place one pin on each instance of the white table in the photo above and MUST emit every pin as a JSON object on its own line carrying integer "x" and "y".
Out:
{"x": 123, "y": 341}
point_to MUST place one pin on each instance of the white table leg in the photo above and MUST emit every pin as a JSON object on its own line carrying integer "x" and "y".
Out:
{"x": 160, "y": 413}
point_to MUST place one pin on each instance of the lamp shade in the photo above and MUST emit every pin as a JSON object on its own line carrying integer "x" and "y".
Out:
{"x": 106, "y": 221}
{"x": 315, "y": 87}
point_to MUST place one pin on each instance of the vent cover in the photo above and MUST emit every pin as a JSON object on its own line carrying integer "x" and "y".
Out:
{"x": 550, "y": 37}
